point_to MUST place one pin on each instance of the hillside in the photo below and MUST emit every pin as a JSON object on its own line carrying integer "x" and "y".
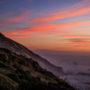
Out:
{"x": 21, "y": 50}
{"x": 20, "y": 73}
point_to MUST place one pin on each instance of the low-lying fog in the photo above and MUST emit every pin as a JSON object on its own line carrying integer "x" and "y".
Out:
{"x": 76, "y": 65}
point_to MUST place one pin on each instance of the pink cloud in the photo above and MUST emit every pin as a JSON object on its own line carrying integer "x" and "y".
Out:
{"x": 74, "y": 10}
{"x": 47, "y": 28}
{"x": 16, "y": 19}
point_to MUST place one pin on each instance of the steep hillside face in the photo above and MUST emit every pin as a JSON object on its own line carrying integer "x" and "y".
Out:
{"x": 20, "y": 73}
{"x": 21, "y": 50}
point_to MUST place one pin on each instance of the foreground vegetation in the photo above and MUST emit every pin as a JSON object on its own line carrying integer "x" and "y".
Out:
{"x": 20, "y": 73}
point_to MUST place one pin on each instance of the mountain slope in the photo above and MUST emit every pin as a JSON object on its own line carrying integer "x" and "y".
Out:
{"x": 21, "y": 50}
{"x": 20, "y": 73}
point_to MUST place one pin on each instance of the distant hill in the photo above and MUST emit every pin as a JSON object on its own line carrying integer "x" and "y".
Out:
{"x": 20, "y": 73}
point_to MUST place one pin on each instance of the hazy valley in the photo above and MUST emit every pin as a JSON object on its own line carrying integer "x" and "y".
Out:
{"x": 76, "y": 65}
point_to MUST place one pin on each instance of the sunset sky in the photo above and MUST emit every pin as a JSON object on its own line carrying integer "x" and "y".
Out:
{"x": 47, "y": 24}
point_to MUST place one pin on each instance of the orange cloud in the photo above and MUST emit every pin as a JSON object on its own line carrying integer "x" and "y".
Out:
{"x": 16, "y": 35}
{"x": 79, "y": 42}
{"x": 76, "y": 36}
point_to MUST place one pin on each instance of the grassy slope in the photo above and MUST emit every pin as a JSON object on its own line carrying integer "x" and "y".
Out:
{"x": 20, "y": 73}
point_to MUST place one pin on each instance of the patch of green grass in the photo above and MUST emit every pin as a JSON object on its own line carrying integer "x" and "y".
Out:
{"x": 7, "y": 82}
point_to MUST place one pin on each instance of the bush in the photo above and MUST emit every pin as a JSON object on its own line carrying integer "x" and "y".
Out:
{"x": 3, "y": 57}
